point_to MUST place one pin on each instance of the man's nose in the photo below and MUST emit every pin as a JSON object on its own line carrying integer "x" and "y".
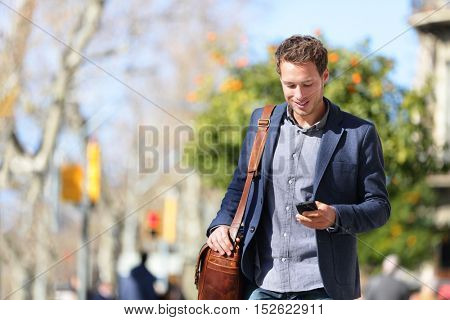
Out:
{"x": 298, "y": 93}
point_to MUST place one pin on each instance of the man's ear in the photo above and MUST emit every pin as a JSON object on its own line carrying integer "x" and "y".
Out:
{"x": 325, "y": 76}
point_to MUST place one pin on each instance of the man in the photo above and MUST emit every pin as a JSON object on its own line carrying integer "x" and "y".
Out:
{"x": 314, "y": 151}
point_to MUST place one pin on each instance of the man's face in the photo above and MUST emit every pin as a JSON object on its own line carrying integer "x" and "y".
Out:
{"x": 303, "y": 90}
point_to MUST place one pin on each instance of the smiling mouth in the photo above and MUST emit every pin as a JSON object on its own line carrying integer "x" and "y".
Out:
{"x": 301, "y": 103}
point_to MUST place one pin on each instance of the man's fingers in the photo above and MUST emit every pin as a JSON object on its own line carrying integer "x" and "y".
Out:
{"x": 220, "y": 241}
{"x": 218, "y": 246}
{"x": 214, "y": 240}
{"x": 223, "y": 244}
{"x": 226, "y": 240}
{"x": 211, "y": 243}
{"x": 228, "y": 245}
{"x": 304, "y": 218}
{"x": 224, "y": 247}
{"x": 315, "y": 223}
{"x": 311, "y": 214}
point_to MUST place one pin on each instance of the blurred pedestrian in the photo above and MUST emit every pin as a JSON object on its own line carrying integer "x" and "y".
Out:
{"x": 103, "y": 291}
{"x": 386, "y": 286}
{"x": 429, "y": 284}
{"x": 139, "y": 284}
{"x": 144, "y": 279}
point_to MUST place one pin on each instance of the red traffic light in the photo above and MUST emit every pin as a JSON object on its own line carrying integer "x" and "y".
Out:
{"x": 153, "y": 220}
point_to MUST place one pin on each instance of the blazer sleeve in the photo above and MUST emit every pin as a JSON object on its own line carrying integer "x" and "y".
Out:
{"x": 374, "y": 209}
{"x": 233, "y": 195}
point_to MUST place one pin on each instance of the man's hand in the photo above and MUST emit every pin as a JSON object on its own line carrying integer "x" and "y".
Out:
{"x": 320, "y": 219}
{"x": 219, "y": 240}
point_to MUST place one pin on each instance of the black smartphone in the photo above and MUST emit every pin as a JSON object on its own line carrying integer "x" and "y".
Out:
{"x": 306, "y": 206}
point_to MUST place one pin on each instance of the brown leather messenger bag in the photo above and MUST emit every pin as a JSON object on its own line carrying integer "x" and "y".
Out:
{"x": 219, "y": 277}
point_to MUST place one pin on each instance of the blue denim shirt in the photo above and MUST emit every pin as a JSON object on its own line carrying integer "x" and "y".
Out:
{"x": 286, "y": 253}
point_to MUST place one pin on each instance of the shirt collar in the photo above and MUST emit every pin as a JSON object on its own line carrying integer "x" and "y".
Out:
{"x": 315, "y": 127}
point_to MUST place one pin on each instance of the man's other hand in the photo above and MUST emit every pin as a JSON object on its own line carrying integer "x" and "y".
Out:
{"x": 219, "y": 240}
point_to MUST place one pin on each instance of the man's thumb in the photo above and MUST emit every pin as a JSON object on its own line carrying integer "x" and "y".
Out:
{"x": 319, "y": 204}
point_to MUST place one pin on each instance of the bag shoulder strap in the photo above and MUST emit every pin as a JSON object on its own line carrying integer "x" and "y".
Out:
{"x": 253, "y": 163}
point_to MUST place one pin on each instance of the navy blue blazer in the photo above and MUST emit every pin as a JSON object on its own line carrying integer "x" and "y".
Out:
{"x": 349, "y": 176}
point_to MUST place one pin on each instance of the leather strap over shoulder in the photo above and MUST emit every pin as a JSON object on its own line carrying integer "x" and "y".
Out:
{"x": 260, "y": 138}
{"x": 253, "y": 163}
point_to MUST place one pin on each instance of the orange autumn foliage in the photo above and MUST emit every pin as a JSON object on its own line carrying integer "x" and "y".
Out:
{"x": 356, "y": 78}
{"x": 333, "y": 57}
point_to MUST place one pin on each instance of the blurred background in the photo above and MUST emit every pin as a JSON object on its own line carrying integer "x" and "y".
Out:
{"x": 121, "y": 123}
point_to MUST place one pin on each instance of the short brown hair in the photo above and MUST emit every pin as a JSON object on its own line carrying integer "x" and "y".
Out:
{"x": 300, "y": 49}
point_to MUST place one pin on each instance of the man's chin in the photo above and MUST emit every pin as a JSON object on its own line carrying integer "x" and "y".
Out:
{"x": 301, "y": 110}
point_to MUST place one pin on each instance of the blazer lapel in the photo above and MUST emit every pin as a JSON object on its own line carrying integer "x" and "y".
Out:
{"x": 330, "y": 139}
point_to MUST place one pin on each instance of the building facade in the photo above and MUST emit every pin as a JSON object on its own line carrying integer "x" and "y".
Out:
{"x": 431, "y": 20}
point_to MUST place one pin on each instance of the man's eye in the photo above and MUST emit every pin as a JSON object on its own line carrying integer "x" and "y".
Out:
{"x": 291, "y": 86}
{"x": 307, "y": 85}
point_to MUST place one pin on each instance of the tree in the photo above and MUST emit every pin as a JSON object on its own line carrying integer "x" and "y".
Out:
{"x": 32, "y": 171}
{"x": 100, "y": 69}
{"x": 359, "y": 83}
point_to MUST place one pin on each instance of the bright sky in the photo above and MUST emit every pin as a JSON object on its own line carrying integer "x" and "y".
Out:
{"x": 343, "y": 23}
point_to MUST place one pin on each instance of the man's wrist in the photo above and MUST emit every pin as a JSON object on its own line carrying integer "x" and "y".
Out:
{"x": 214, "y": 228}
{"x": 335, "y": 225}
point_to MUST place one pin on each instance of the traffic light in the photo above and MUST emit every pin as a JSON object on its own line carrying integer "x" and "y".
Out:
{"x": 93, "y": 171}
{"x": 153, "y": 222}
{"x": 71, "y": 183}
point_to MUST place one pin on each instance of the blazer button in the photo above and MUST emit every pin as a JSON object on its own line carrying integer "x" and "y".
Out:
{"x": 252, "y": 229}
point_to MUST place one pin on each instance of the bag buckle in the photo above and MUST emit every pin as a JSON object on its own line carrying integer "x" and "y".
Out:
{"x": 263, "y": 123}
